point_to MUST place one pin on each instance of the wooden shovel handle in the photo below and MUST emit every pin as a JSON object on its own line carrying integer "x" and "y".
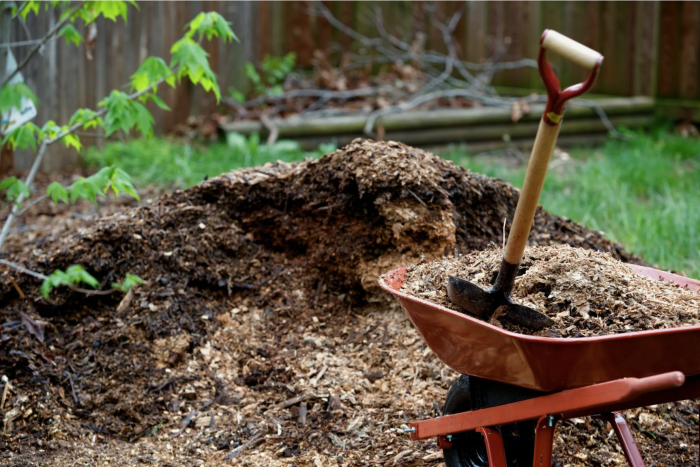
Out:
{"x": 571, "y": 50}
{"x": 530, "y": 194}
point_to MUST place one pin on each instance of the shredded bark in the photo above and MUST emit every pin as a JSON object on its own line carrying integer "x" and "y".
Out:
{"x": 261, "y": 304}
{"x": 585, "y": 292}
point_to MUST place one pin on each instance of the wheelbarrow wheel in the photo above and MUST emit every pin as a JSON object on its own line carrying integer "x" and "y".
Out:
{"x": 468, "y": 448}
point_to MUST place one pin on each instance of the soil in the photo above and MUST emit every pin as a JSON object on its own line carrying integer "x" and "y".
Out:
{"x": 261, "y": 336}
{"x": 586, "y": 293}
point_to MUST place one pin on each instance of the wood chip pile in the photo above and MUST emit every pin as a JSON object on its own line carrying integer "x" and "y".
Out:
{"x": 260, "y": 337}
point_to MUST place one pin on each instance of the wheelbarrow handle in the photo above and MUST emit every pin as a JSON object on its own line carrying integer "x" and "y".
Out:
{"x": 570, "y": 49}
{"x": 547, "y": 133}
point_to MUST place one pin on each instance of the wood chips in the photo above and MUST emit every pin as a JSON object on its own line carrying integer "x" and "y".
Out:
{"x": 585, "y": 292}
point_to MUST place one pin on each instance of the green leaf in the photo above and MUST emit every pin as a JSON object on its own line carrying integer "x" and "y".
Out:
{"x": 276, "y": 90}
{"x": 8, "y": 182}
{"x": 14, "y": 188}
{"x": 23, "y": 136}
{"x": 100, "y": 183}
{"x": 72, "y": 139}
{"x": 151, "y": 70}
{"x": 210, "y": 24}
{"x": 29, "y": 7}
{"x": 159, "y": 102}
{"x": 50, "y": 129}
{"x": 11, "y": 96}
{"x": 252, "y": 73}
{"x": 77, "y": 274}
{"x": 72, "y": 276}
{"x": 89, "y": 188}
{"x": 119, "y": 182}
{"x": 71, "y": 34}
{"x": 194, "y": 64}
{"x": 57, "y": 192}
{"x": 110, "y": 10}
{"x": 237, "y": 95}
{"x": 126, "y": 114}
{"x": 130, "y": 280}
{"x": 87, "y": 117}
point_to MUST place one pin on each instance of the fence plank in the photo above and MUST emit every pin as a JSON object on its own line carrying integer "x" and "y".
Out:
{"x": 690, "y": 39}
{"x": 669, "y": 46}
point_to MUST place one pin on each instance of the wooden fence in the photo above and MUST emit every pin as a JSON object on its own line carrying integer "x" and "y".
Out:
{"x": 651, "y": 48}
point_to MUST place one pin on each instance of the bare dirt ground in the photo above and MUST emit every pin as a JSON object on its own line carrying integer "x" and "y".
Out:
{"x": 261, "y": 337}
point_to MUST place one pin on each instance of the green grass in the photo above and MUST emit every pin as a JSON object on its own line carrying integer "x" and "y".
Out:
{"x": 169, "y": 162}
{"x": 643, "y": 193}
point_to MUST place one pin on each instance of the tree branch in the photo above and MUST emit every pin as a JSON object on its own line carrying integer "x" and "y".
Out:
{"x": 36, "y": 49}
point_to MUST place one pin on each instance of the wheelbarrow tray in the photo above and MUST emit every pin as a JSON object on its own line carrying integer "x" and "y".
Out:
{"x": 476, "y": 348}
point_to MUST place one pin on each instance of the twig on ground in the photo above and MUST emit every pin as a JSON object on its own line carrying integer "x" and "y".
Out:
{"x": 251, "y": 442}
{"x": 273, "y": 131}
{"x": 72, "y": 387}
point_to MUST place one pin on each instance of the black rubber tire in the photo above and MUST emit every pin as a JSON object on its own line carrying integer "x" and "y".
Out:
{"x": 469, "y": 450}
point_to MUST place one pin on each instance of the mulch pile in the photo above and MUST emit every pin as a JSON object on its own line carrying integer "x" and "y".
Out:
{"x": 261, "y": 336}
{"x": 586, "y": 293}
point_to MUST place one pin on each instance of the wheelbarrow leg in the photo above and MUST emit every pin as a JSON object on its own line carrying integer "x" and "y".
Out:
{"x": 494, "y": 447}
{"x": 624, "y": 435}
{"x": 544, "y": 440}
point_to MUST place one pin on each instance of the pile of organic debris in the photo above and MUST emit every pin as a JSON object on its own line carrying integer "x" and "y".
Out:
{"x": 261, "y": 336}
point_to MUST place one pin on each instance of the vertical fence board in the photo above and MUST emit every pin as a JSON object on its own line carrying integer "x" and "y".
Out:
{"x": 477, "y": 18}
{"x": 690, "y": 37}
{"x": 669, "y": 45}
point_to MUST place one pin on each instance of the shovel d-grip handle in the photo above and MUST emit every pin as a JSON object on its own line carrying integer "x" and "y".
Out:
{"x": 571, "y": 50}
{"x": 548, "y": 131}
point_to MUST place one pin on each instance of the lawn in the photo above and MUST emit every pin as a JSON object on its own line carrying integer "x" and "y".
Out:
{"x": 171, "y": 162}
{"x": 643, "y": 192}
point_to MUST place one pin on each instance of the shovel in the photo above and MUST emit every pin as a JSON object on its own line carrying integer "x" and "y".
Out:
{"x": 484, "y": 303}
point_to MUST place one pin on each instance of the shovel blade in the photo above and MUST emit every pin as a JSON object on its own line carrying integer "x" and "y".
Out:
{"x": 483, "y": 303}
{"x": 526, "y": 317}
{"x": 471, "y": 297}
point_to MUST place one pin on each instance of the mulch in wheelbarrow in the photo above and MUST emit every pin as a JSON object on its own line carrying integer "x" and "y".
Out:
{"x": 261, "y": 336}
{"x": 587, "y": 293}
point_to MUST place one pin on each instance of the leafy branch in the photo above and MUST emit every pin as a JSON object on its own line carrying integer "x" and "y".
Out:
{"x": 118, "y": 111}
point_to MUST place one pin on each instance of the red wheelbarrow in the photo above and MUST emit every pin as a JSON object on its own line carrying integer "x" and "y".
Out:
{"x": 514, "y": 388}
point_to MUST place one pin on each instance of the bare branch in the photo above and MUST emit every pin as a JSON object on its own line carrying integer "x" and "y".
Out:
{"x": 271, "y": 128}
{"x": 379, "y": 22}
{"x": 322, "y": 93}
{"x": 30, "y": 204}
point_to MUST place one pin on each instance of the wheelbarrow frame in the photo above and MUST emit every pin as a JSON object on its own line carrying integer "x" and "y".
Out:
{"x": 602, "y": 400}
